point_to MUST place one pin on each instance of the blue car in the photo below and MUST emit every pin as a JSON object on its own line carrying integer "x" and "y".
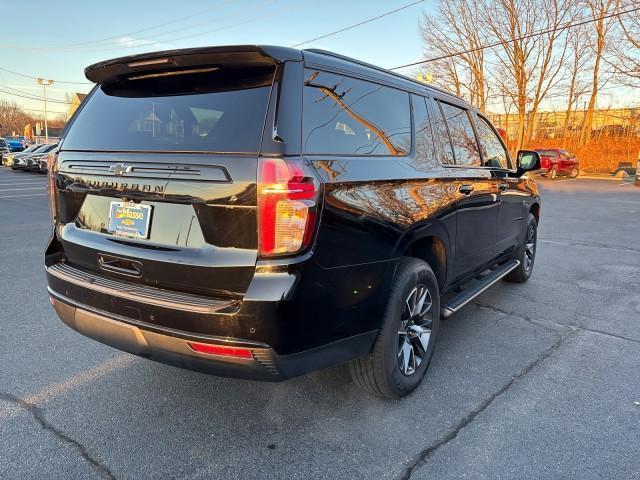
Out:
{"x": 16, "y": 144}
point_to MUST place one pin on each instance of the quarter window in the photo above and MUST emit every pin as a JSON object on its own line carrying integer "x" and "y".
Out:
{"x": 346, "y": 116}
{"x": 442, "y": 133}
{"x": 494, "y": 153}
{"x": 425, "y": 151}
{"x": 465, "y": 146}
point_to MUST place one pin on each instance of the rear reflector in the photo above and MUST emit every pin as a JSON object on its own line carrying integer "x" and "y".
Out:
{"x": 221, "y": 350}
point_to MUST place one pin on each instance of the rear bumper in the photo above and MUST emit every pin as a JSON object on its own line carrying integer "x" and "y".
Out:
{"x": 172, "y": 346}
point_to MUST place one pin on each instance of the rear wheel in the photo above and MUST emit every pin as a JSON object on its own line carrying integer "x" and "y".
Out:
{"x": 574, "y": 172}
{"x": 402, "y": 352}
{"x": 526, "y": 253}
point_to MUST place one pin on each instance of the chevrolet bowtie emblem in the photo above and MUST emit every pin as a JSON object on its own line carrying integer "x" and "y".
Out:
{"x": 119, "y": 169}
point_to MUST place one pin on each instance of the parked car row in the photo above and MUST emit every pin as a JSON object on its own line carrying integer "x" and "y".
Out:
{"x": 32, "y": 158}
{"x": 16, "y": 143}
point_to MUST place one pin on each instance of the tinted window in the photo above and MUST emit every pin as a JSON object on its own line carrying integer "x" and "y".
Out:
{"x": 47, "y": 148}
{"x": 548, "y": 153}
{"x": 463, "y": 139}
{"x": 442, "y": 134}
{"x": 2, "y": 142}
{"x": 346, "y": 116}
{"x": 493, "y": 151}
{"x": 425, "y": 149}
{"x": 221, "y": 111}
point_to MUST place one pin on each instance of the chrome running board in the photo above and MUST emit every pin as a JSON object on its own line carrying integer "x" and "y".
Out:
{"x": 476, "y": 287}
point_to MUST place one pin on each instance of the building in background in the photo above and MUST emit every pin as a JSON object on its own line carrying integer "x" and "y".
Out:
{"x": 76, "y": 100}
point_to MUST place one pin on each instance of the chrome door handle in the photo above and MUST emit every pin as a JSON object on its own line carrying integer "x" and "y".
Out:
{"x": 466, "y": 189}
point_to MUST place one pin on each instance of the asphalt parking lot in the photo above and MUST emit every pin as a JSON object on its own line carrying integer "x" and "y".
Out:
{"x": 536, "y": 380}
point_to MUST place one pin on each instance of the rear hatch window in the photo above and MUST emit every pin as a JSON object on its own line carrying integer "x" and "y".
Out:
{"x": 218, "y": 110}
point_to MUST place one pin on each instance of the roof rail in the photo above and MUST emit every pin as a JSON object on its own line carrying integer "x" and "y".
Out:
{"x": 378, "y": 68}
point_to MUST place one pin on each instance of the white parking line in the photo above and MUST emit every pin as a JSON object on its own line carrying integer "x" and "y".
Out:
{"x": 31, "y": 195}
{"x": 74, "y": 382}
{"x": 20, "y": 189}
{"x": 21, "y": 183}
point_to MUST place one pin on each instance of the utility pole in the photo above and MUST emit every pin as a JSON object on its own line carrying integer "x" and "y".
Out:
{"x": 45, "y": 83}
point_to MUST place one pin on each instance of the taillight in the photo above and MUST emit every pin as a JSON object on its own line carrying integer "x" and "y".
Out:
{"x": 287, "y": 206}
{"x": 51, "y": 174}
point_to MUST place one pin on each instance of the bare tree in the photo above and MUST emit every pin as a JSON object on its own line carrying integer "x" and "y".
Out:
{"x": 626, "y": 49}
{"x": 12, "y": 118}
{"x": 577, "y": 41}
{"x": 602, "y": 27}
{"x": 454, "y": 36}
{"x": 530, "y": 55}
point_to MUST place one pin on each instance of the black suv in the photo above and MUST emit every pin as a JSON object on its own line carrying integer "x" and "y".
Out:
{"x": 261, "y": 212}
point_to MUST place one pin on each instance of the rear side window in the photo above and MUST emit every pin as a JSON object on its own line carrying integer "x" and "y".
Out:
{"x": 494, "y": 153}
{"x": 442, "y": 133}
{"x": 425, "y": 149}
{"x": 220, "y": 111}
{"x": 346, "y": 116}
{"x": 463, "y": 139}
{"x": 548, "y": 153}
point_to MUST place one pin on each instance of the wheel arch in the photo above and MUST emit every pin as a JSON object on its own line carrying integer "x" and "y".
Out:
{"x": 430, "y": 243}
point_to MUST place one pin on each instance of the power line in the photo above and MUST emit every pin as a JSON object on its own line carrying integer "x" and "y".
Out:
{"x": 42, "y": 111}
{"x": 149, "y": 41}
{"x": 522, "y": 37}
{"x": 113, "y": 37}
{"x": 35, "y": 78}
{"x": 206, "y": 32}
{"x": 359, "y": 23}
{"x": 33, "y": 98}
{"x": 497, "y": 101}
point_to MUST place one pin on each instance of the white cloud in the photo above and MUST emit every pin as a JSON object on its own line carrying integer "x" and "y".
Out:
{"x": 132, "y": 42}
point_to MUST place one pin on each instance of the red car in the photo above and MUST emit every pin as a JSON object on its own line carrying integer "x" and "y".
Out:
{"x": 556, "y": 162}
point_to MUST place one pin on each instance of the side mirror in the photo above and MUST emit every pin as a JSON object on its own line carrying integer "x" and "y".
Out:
{"x": 528, "y": 161}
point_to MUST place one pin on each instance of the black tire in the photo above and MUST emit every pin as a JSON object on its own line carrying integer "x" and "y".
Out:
{"x": 574, "y": 172}
{"x": 553, "y": 174}
{"x": 380, "y": 372}
{"x": 526, "y": 254}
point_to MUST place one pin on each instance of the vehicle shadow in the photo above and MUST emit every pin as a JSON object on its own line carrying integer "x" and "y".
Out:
{"x": 193, "y": 425}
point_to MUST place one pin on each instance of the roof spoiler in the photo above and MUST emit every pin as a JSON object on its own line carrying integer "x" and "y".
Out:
{"x": 188, "y": 59}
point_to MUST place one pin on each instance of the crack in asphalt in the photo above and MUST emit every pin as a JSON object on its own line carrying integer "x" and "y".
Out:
{"x": 604, "y": 246}
{"x": 553, "y": 326}
{"x": 38, "y": 415}
{"x": 556, "y": 326}
{"x": 608, "y": 334}
{"x": 453, "y": 432}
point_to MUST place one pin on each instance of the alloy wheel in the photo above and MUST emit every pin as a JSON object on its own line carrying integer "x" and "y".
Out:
{"x": 415, "y": 329}
{"x": 530, "y": 248}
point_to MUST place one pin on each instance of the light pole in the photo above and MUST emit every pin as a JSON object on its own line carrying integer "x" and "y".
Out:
{"x": 45, "y": 83}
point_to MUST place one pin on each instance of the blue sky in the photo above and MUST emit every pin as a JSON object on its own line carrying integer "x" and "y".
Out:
{"x": 58, "y": 39}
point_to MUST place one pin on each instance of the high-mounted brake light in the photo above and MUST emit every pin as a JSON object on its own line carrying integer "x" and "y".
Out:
{"x": 222, "y": 350}
{"x": 153, "y": 61}
{"x": 287, "y": 203}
